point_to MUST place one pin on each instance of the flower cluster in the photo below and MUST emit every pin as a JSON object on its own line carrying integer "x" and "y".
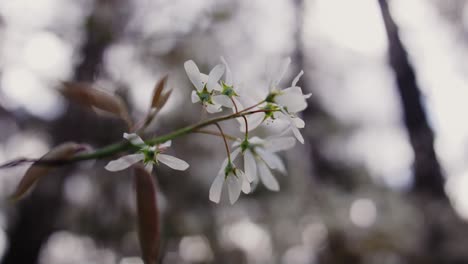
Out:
{"x": 259, "y": 155}
{"x": 212, "y": 93}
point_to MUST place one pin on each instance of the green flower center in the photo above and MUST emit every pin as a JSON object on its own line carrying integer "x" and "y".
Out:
{"x": 246, "y": 145}
{"x": 204, "y": 95}
{"x": 150, "y": 154}
{"x": 230, "y": 168}
{"x": 228, "y": 90}
{"x": 270, "y": 108}
{"x": 271, "y": 96}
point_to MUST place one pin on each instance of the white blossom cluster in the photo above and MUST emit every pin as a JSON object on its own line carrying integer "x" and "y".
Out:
{"x": 259, "y": 155}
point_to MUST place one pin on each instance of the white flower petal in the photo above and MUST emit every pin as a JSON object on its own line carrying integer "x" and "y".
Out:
{"x": 254, "y": 184}
{"x": 239, "y": 105}
{"x": 236, "y": 143}
{"x": 256, "y": 140}
{"x": 211, "y": 108}
{"x": 267, "y": 157}
{"x": 134, "y": 139}
{"x": 283, "y": 133}
{"x": 294, "y": 102}
{"x": 267, "y": 178}
{"x": 215, "y": 74}
{"x": 172, "y": 162}
{"x": 297, "y": 134}
{"x": 272, "y": 160}
{"x": 228, "y": 78}
{"x": 223, "y": 100}
{"x": 296, "y": 79}
{"x": 280, "y": 115}
{"x": 253, "y": 121}
{"x": 124, "y": 162}
{"x": 194, "y": 74}
{"x": 223, "y": 166}
{"x": 235, "y": 153}
{"x": 216, "y": 188}
{"x": 149, "y": 167}
{"x": 280, "y": 72}
{"x": 153, "y": 148}
{"x": 234, "y": 188}
{"x": 166, "y": 144}
{"x": 279, "y": 164}
{"x": 195, "y": 98}
{"x": 204, "y": 78}
{"x": 250, "y": 166}
{"x": 276, "y": 144}
{"x": 245, "y": 183}
{"x": 298, "y": 122}
{"x": 293, "y": 127}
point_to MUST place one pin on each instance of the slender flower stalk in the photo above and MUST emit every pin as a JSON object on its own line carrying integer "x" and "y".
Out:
{"x": 125, "y": 145}
{"x": 214, "y": 133}
{"x": 225, "y": 141}
{"x": 116, "y": 148}
{"x": 244, "y": 118}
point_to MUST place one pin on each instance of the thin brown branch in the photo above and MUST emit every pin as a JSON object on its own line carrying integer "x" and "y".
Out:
{"x": 214, "y": 133}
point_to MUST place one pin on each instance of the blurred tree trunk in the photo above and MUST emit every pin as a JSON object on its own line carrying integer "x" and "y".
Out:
{"x": 35, "y": 219}
{"x": 319, "y": 122}
{"x": 428, "y": 176}
{"x": 439, "y": 217}
{"x": 322, "y": 169}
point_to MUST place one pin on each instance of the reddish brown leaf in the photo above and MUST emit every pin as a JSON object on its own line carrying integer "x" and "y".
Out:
{"x": 36, "y": 171}
{"x": 148, "y": 215}
{"x": 163, "y": 99}
{"x": 84, "y": 94}
{"x": 158, "y": 89}
{"x": 158, "y": 101}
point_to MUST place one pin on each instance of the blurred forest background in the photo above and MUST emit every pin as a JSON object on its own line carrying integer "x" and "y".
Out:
{"x": 382, "y": 178}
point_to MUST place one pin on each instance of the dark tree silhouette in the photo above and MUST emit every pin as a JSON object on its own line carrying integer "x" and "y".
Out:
{"x": 428, "y": 176}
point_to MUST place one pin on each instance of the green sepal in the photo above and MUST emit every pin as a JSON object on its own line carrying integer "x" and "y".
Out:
{"x": 228, "y": 90}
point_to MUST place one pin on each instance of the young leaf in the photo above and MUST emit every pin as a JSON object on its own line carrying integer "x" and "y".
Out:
{"x": 37, "y": 170}
{"x": 148, "y": 215}
{"x": 158, "y": 91}
{"x": 163, "y": 99}
{"x": 157, "y": 102}
{"x": 84, "y": 94}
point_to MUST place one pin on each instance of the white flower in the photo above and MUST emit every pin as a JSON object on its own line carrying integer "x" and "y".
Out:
{"x": 259, "y": 155}
{"x": 241, "y": 100}
{"x": 229, "y": 92}
{"x": 232, "y": 177}
{"x": 292, "y": 99}
{"x": 205, "y": 86}
{"x": 294, "y": 121}
{"x": 285, "y": 104}
{"x": 149, "y": 155}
